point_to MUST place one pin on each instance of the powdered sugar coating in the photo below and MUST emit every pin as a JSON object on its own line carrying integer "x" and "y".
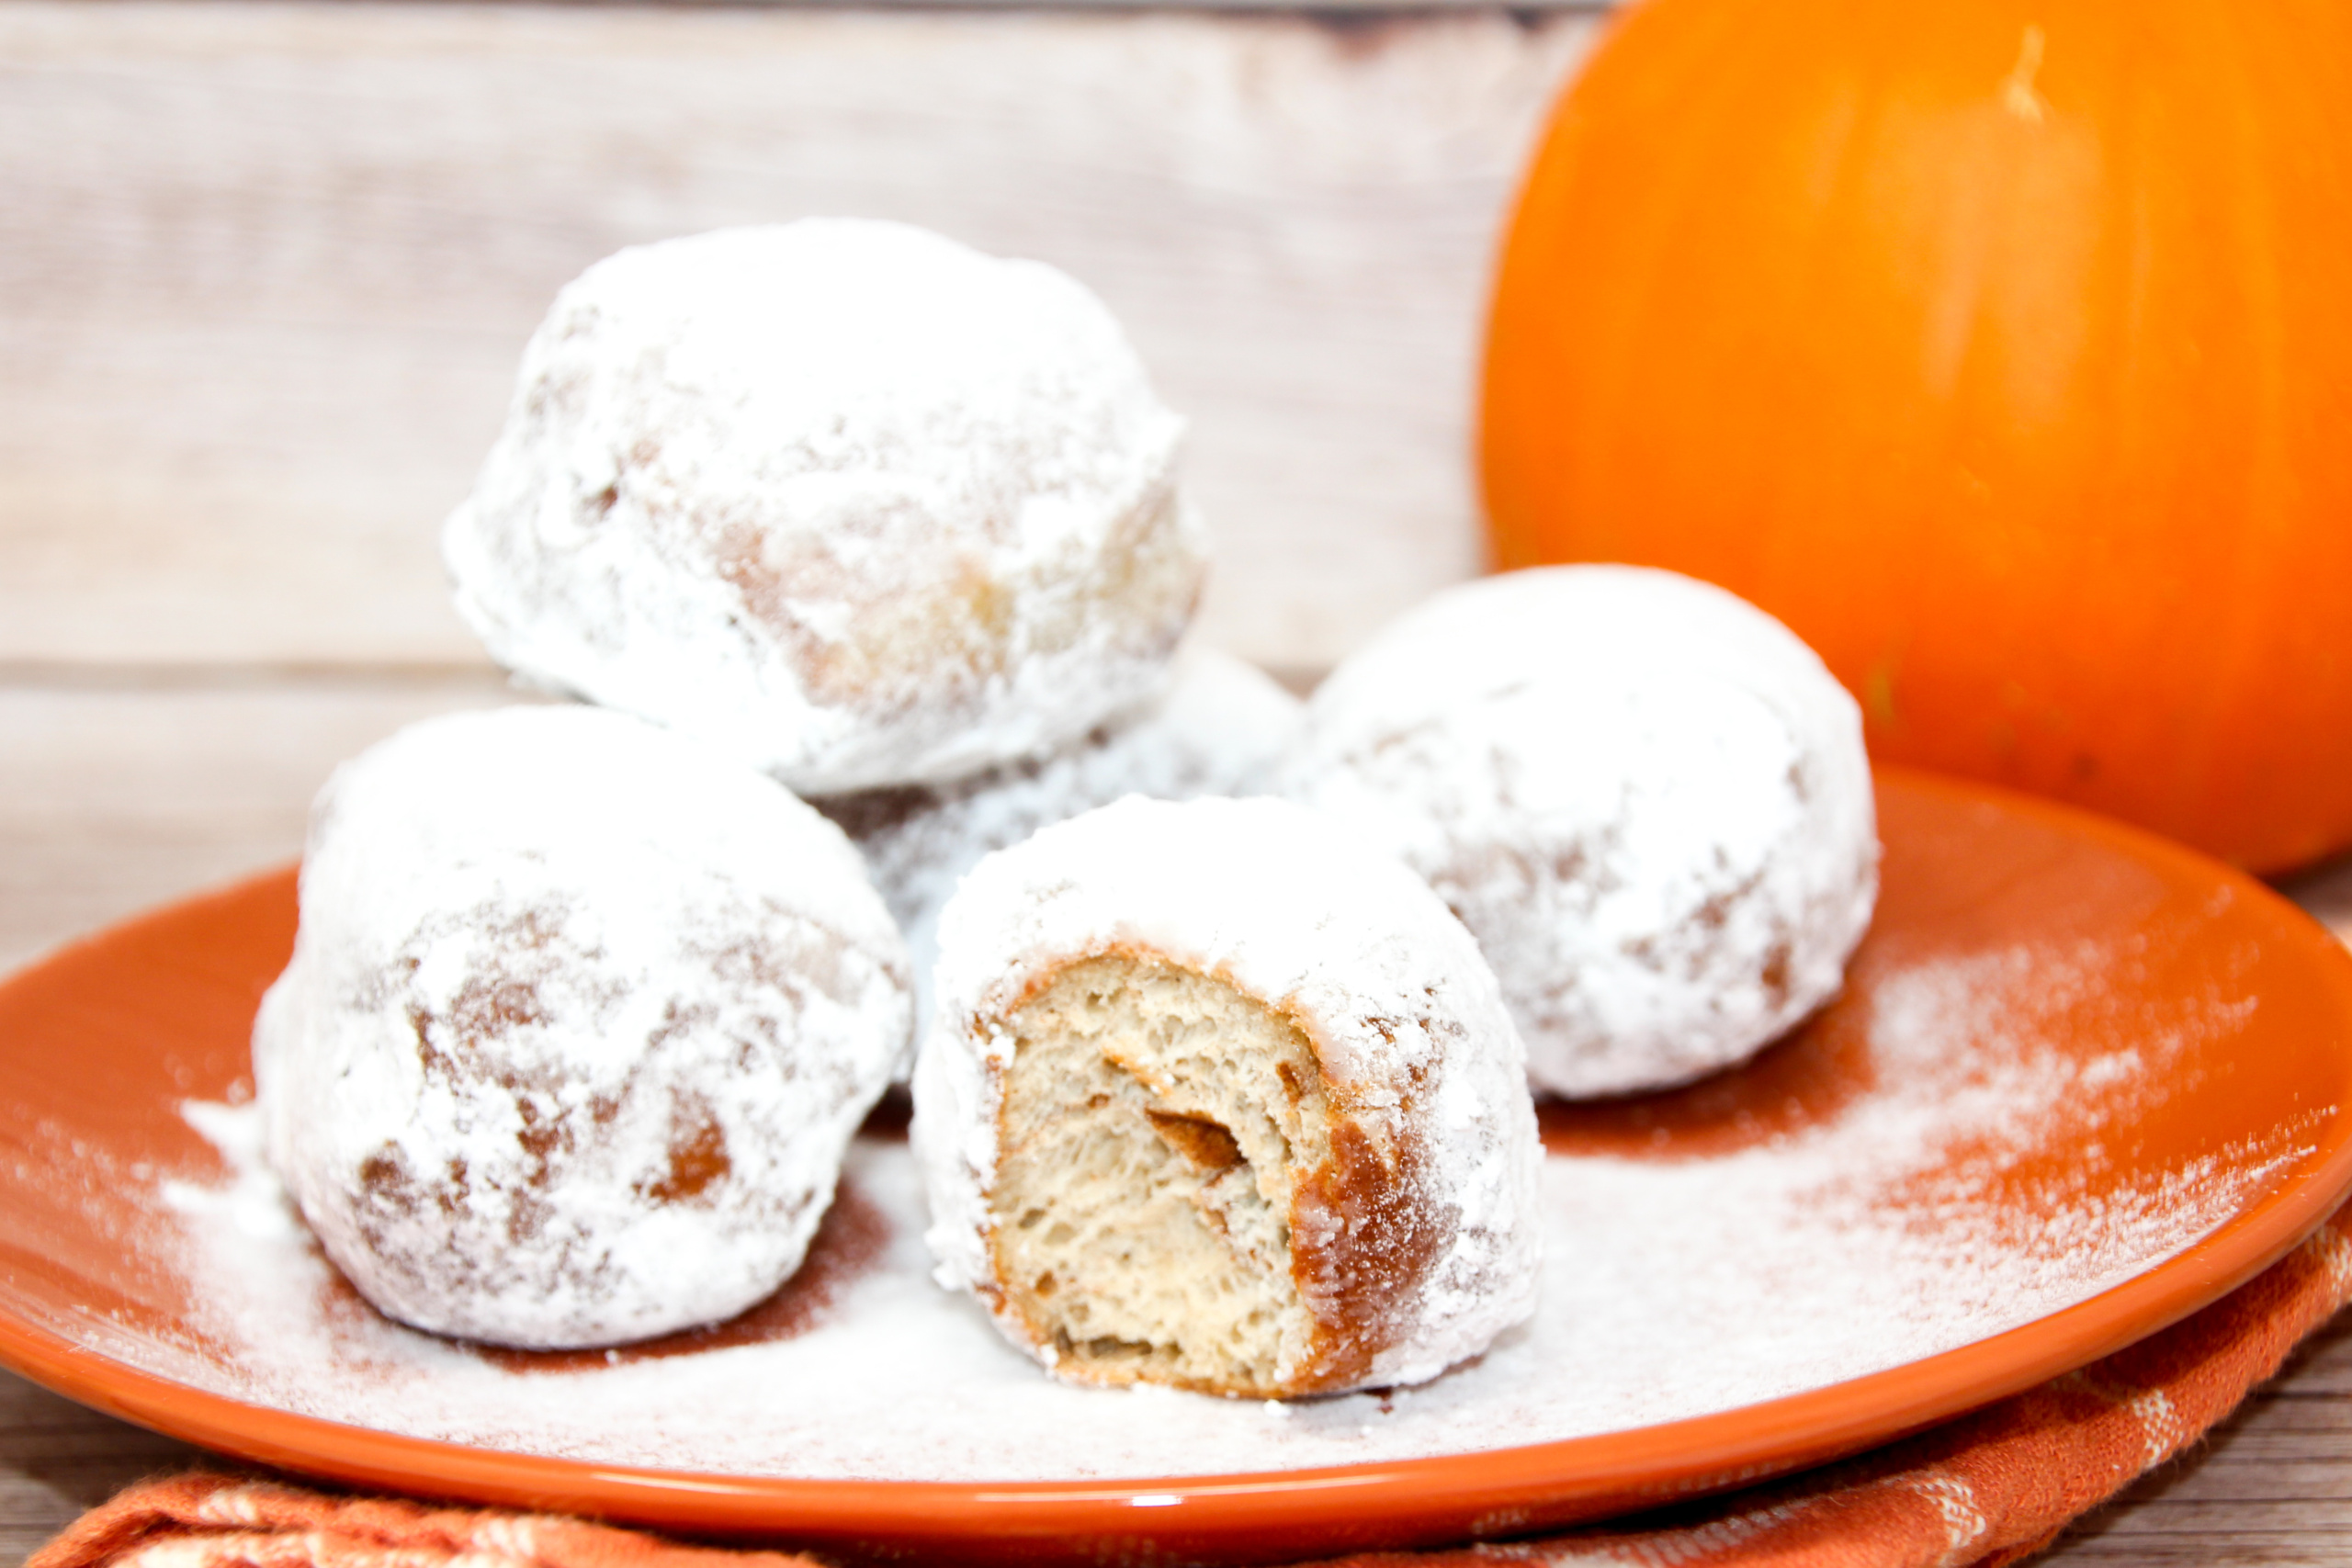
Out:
{"x": 1648, "y": 798}
{"x": 846, "y": 498}
{"x": 1402, "y": 1013}
{"x": 580, "y": 1018}
{"x": 1221, "y": 727}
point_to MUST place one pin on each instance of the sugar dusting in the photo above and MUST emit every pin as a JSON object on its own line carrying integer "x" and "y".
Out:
{"x": 1648, "y": 800}
{"x": 1906, "y": 1221}
{"x": 846, "y": 499}
{"x": 580, "y": 1017}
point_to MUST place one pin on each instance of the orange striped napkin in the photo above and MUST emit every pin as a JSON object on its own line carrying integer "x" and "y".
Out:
{"x": 1990, "y": 1488}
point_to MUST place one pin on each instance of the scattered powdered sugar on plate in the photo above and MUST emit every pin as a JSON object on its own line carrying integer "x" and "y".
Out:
{"x": 1918, "y": 1216}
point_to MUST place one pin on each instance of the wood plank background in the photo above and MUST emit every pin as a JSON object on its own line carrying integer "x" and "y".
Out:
{"x": 266, "y": 272}
{"x": 266, "y": 269}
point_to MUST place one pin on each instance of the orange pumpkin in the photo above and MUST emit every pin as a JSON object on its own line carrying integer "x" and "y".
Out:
{"x": 2003, "y": 348}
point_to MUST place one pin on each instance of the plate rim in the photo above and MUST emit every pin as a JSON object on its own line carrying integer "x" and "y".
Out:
{"x": 1418, "y": 1501}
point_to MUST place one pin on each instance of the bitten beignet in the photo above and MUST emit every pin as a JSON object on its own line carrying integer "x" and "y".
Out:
{"x": 1217, "y": 1096}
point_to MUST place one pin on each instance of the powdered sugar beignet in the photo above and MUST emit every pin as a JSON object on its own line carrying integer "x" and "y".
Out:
{"x": 853, "y": 502}
{"x": 1219, "y": 1097}
{"x": 580, "y": 1021}
{"x": 1647, "y": 798}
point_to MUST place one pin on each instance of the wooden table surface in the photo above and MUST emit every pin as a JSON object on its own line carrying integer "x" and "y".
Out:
{"x": 264, "y": 270}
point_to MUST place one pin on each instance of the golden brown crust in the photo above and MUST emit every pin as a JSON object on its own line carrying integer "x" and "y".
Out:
{"x": 1374, "y": 1202}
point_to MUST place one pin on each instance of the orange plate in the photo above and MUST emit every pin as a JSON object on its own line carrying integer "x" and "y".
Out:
{"x": 101, "y": 1043}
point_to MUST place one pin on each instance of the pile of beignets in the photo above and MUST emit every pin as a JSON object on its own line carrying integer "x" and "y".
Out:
{"x": 864, "y": 558}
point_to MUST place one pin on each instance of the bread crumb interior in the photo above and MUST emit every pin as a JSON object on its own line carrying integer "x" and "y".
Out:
{"x": 1154, "y": 1122}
